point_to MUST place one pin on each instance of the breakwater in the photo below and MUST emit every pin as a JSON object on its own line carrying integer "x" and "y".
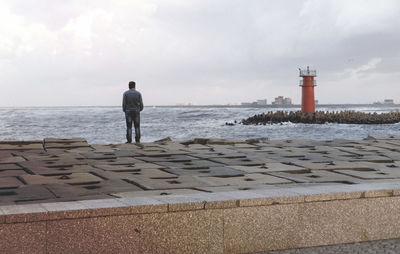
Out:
{"x": 322, "y": 117}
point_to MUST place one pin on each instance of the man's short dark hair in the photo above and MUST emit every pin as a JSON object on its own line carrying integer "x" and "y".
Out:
{"x": 132, "y": 84}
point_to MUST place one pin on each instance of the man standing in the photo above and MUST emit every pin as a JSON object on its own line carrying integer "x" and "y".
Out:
{"x": 132, "y": 104}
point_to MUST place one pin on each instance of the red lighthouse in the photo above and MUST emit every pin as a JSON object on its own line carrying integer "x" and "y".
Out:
{"x": 307, "y": 84}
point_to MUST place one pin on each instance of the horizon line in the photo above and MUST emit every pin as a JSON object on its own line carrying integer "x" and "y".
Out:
{"x": 203, "y": 105}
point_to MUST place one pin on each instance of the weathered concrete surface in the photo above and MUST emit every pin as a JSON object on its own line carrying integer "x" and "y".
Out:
{"x": 215, "y": 196}
{"x": 71, "y": 169}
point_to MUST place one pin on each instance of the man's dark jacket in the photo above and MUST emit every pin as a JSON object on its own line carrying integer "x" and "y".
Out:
{"x": 132, "y": 101}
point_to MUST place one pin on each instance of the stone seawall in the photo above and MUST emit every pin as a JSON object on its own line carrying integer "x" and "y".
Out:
{"x": 229, "y": 222}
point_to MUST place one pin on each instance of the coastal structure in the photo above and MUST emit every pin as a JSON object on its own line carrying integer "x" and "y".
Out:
{"x": 307, "y": 83}
{"x": 385, "y": 102}
{"x": 322, "y": 117}
{"x": 197, "y": 196}
{"x": 261, "y": 102}
{"x": 280, "y": 100}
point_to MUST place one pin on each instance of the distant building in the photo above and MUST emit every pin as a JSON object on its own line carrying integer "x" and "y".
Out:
{"x": 280, "y": 100}
{"x": 386, "y": 102}
{"x": 287, "y": 101}
{"x": 262, "y": 102}
{"x": 255, "y": 103}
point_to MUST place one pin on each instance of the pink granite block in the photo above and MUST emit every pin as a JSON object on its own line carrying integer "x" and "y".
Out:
{"x": 328, "y": 192}
{"x": 396, "y": 192}
{"x": 216, "y": 200}
{"x": 182, "y": 202}
{"x": 378, "y": 193}
{"x": 279, "y": 196}
{"x": 24, "y": 213}
{"x": 23, "y": 237}
{"x": 248, "y": 198}
{"x": 105, "y": 207}
{"x": 66, "y": 210}
{"x": 382, "y": 218}
{"x": 353, "y": 220}
{"x": 2, "y": 217}
{"x": 182, "y": 232}
{"x": 144, "y": 205}
{"x": 261, "y": 228}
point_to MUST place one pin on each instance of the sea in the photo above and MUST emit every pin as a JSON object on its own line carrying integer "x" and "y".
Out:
{"x": 106, "y": 125}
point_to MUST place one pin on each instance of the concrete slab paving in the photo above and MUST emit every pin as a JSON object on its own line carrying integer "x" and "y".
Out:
{"x": 270, "y": 194}
{"x": 210, "y": 171}
{"x": 73, "y": 168}
{"x": 246, "y": 180}
{"x": 9, "y": 182}
{"x": 316, "y": 176}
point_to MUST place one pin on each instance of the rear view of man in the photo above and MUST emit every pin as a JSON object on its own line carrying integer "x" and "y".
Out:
{"x": 132, "y": 104}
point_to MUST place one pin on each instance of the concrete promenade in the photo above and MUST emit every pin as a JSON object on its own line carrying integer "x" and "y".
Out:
{"x": 199, "y": 196}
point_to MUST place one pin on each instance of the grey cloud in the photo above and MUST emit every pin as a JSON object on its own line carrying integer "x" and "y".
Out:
{"x": 201, "y": 50}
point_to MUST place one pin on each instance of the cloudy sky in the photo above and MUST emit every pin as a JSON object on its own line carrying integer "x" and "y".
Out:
{"x": 83, "y": 53}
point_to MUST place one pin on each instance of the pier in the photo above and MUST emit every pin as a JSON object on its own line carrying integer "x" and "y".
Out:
{"x": 198, "y": 196}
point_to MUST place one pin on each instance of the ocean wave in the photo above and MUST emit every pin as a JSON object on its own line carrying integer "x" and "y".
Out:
{"x": 107, "y": 124}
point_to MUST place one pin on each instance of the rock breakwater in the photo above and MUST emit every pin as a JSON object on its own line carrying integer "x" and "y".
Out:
{"x": 322, "y": 117}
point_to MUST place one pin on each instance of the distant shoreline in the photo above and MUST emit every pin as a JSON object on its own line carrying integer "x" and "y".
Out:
{"x": 219, "y": 106}
{"x": 277, "y": 106}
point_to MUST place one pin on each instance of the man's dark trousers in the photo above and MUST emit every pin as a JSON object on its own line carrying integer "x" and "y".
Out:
{"x": 135, "y": 117}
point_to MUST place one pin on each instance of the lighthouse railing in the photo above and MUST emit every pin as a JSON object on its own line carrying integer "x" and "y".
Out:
{"x": 308, "y": 73}
{"x": 301, "y": 82}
